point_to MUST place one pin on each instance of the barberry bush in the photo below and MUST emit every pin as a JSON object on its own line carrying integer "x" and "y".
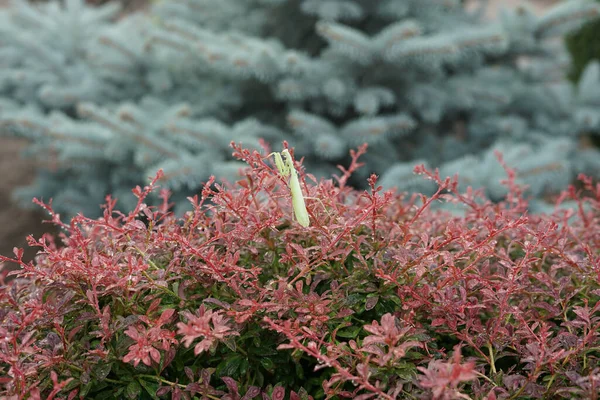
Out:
{"x": 380, "y": 297}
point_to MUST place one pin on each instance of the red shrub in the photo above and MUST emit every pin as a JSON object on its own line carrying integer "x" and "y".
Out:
{"x": 235, "y": 300}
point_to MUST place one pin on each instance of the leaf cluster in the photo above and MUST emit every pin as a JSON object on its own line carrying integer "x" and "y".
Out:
{"x": 380, "y": 297}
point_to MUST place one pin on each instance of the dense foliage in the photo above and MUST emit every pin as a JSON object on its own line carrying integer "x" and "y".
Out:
{"x": 379, "y": 297}
{"x": 107, "y": 100}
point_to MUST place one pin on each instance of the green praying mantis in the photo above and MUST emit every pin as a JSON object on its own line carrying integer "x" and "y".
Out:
{"x": 285, "y": 166}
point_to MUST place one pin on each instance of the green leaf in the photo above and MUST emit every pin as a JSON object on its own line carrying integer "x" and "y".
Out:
{"x": 99, "y": 386}
{"x": 150, "y": 387}
{"x": 267, "y": 364}
{"x": 230, "y": 343}
{"x": 102, "y": 370}
{"x": 303, "y": 393}
{"x": 263, "y": 351}
{"x": 350, "y": 332}
{"x": 244, "y": 366}
{"x": 123, "y": 343}
{"x": 404, "y": 370}
{"x": 353, "y": 299}
{"x": 395, "y": 299}
{"x": 108, "y": 394}
{"x": 230, "y": 365}
{"x": 72, "y": 385}
{"x": 259, "y": 379}
{"x": 133, "y": 390}
{"x": 299, "y": 371}
{"x": 86, "y": 389}
{"x": 413, "y": 355}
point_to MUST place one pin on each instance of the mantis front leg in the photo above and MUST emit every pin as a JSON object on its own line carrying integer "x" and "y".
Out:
{"x": 286, "y": 168}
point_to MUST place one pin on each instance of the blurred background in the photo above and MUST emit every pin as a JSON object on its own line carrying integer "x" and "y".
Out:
{"x": 15, "y": 171}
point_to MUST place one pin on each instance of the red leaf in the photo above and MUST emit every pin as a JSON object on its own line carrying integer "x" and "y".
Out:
{"x": 163, "y": 390}
{"x": 166, "y": 316}
{"x": 18, "y": 253}
{"x": 73, "y": 394}
{"x": 189, "y": 373}
{"x": 74, "y": 332}
{"x": 278, "y": 393}
{"x": 153, "y": 306}
{"x": 251, "y": 393}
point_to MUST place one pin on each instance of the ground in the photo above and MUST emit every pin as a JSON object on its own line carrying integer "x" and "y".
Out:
{"x": 16, "y": 224}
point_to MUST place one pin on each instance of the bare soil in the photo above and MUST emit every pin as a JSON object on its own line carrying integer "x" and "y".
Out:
{"x": 17, "y": 223}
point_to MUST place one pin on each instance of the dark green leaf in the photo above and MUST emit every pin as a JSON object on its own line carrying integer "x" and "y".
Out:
{"x": 267, "y": 364}
{"x": 413, "y": 355}
{"x": 230, "y": 366}
{"x": 244, "y": 366}
{"x": 303, "y": 393}
{"x": 133, "y": 390}
{"x": 354, "y": 299}
{"x": 263, "y": 351}
{"x": 259, "y": 378}
{"x": 99, "y": 386}
{"x": 350, "y": 332}
{"x": 107, "y": 394}
{"x": 230, "y": 343}
{"x": 72, "y": 385}
{"x": 150, "y": 387}
{"x": 85, "y": 389}
{"x": 102, "y": 370}
{"x": 406, "y": 374}
{"x": 299, "y": 371}
{"x": 395, "y": 299}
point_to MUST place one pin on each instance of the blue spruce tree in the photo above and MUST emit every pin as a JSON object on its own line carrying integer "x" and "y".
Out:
{"x": 108, "y": 100}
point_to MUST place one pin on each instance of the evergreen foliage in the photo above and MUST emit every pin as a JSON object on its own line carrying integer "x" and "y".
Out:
{"x": 584, "y": 47}
{"x": 107, "y": 101}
